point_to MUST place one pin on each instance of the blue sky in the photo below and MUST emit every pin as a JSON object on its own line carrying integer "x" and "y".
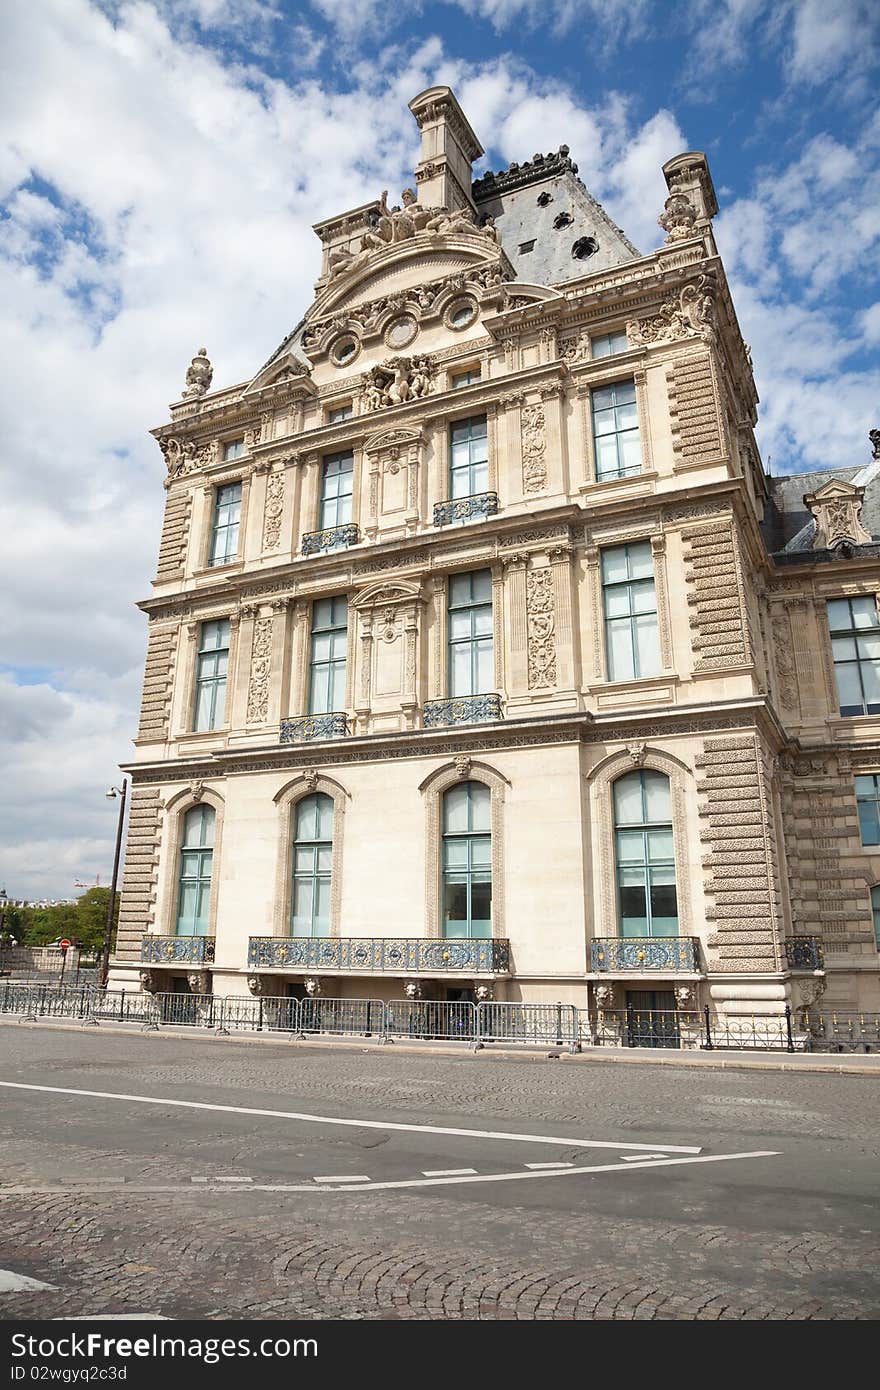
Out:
{"x": 161, "y": 163}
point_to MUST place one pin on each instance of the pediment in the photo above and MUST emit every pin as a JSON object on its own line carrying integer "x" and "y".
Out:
{"x": 392, "y": 439}
{"x": 281, "y": 370}
{"x": 836, "y": 508}
{"x": 835, "y": 488}
{"x": 385, "y": 595}
{"x": 421, "y": 259}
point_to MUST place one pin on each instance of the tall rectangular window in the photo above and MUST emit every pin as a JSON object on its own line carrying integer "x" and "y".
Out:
{"x": 468, "y": 457}
{"x": 875, "y": 913}
{"x": 855, "y": 643}
{"x": 329, "y": 647}
{"x": 607, "y": 344}
{"x": 211, "y": 665}
{"x": 227, "y": 514}
{"x": 471, "y": 658}
{"x": 631, "y": 644}
{"x": 233, "y": 449}
{"x": 616, "y": 431}
{"x": 337, "y": 478}
{"x": 868, "y": 799}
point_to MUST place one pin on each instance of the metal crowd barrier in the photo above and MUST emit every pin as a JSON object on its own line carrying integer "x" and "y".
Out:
{"x": 559, "y": 1025}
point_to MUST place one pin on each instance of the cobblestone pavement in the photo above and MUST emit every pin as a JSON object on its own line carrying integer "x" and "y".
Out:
{"x": 792, "y": 1236}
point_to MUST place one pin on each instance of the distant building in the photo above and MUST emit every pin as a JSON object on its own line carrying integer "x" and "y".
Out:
{"x": 485, "y": 661}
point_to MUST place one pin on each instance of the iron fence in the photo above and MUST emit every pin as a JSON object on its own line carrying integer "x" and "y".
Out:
{"x": 455, "y": 1020}
{"x": 556, "y": 1024}
{"x": 560, "y": 1025}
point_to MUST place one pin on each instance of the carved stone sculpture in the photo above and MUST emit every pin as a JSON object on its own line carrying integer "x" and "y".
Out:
{"x": 837, "y": 509}
{"x": 393, "y": 225}
{"x": 689, "y": 314}
{"x": 678, "y": 217}
{"x": 398, "y": 379}
{"x": 199, "y": 375}
{"x": 874, "y": 436}
{"x": 412, "y": 989}
{"x": 150, "y": 981}
{"x": 313, "y": 986}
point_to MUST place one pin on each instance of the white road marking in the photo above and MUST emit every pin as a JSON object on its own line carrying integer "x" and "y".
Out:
{"x": 347, "y": 1185}
{"x": 553, "y": 1165}
{"x": 640, "y": 1158}
{"x": 233, "y": 1180}
{"x": 447, "y": 1172}
{"x": 565, "y": 1142}
{"x": 346, "y": 1177}
{"x": 10, "y": 1282}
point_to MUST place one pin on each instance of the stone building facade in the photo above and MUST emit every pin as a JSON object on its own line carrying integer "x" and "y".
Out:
{"x": 484, "y": 659}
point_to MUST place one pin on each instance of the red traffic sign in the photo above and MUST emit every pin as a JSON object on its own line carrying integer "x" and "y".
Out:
{"x": 65, "y": 944}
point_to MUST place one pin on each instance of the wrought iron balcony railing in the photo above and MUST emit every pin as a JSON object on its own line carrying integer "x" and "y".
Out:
{"x": 331, "y": 538}
{"x": 313, "y": 726}
{"x": 382, "y": 954}
{"x": 462, "y": 709}
{"x": 645, "y": 953}
{"x": 465, "y": 508}
{"x": 804, "y": 953}
{"x": 177, "y": 950}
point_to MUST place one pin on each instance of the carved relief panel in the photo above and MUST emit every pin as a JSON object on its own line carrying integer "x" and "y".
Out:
{"x": 394, "y": 462}
{"x": 387, "y": 685}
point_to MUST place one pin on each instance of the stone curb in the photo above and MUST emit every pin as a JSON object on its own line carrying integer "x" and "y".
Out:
{"x": 866, "y": 1064}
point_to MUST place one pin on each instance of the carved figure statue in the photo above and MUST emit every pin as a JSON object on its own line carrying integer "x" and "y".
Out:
{"x": 199, "y": 375}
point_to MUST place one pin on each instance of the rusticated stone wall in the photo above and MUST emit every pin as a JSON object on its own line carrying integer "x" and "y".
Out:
{"x": 139, "y": 875}
{"x": 697, "y": 435}
{"x": 719, "y": 618}
{"x": 826, "y": 862}
{"x": 736, "y": 830}
{"x": 156, "y": 700}
{"x": 175, "y": 532}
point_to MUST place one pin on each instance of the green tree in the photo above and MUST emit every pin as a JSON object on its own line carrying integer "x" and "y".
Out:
{"x": 91, "y": 918}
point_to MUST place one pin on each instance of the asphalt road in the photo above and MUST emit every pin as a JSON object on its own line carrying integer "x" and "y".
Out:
{"x": 227, "y": 1180}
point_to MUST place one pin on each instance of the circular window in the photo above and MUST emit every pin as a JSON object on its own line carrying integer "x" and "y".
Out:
{"x": 584, "y": 246}
{"x": 401, "y": 331}
{"x": 562, "y": 219}
{"x": 345, "y": 350}
{"x": 461, "y": 313}
{"x": 544, "y": 199}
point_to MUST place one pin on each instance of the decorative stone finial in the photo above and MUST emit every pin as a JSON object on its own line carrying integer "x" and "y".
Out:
{"x": 678, "y": 217}
{"x": 874, "y": 436}
{"x": 199, "y": 375}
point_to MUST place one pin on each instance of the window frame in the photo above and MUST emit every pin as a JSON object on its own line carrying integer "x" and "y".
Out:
{"x": 633, "y": 615}
{"x": 606, "y": 338}
{"x": 871, "y": 797}
{"x": 853, "y": 633}
{"x": 215, "y": 681}
{"x": 226, "y": 526}
{"x": 333, "y": 664}
{"x": 479, "y": 643}
{"x": 621, "y": 470}
{"x": 471, "y": 874}
{"x": 315, "y": 875}
{"x": 472, "y": 466}
{"x": 646, "y": 828}
{"x": 204, "y": 883}
{"x": 328, "y": 501}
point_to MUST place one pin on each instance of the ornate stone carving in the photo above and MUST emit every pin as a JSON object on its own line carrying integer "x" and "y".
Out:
{"x": 605, "y": 997}
{"x": 151, "y": 981}
{"x": 463, "y": 767}
{"x": 874, "y": 436}
{"x": 258, "y": 685}
{"x": 685, "y": 997}
{"x": 412, "y": 989}
{"x": 256, "y": 984}
{"x": 397, "y": 224}
{"x": 678, "y": 217}
{"x": 534, "y": 447}
{"x": 540, "y": 624}
{"x": 836, "y": 508}
{"x": 199, "y": 981}
{"x": 273, "y": 510}
{"x": 689, "y": 314}
{"x": 637, "y": 753}
{"x": 310, "y": 777}
{"x": 783, "y": 654}
{"x": 397, "y": 380}
{"x": 199, "y": 375}
{"x": 484, "y": 994}
{"x": 313, "y": 986}
{"x": 185, "y": 456}
{"x": 197, "y": 791}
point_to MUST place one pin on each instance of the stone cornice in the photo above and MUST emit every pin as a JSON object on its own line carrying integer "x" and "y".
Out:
{"x": 750, "y": 715}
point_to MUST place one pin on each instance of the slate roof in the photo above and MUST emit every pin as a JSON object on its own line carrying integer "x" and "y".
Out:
{"x": 788, "y": 526}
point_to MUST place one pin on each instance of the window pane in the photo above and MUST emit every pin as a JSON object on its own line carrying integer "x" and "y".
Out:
{"x": 630, "y": 452}
{"x": 869, "y": 822}
{"x": 455, "y": 901}
{"x": 641, "y": 560}
{"x": 630, "y": 846}
{"x": 660, "y": 846}
{"x": 648, "y": 645}
{"x": 303, "y": 859}
{"x": 603, "y": 399}
{"x": 607, "y": 463}
{"x": 658, "y": 802}
{"x": 838, "y": 613}
{"x": 302, "y": 907}
{"x": 481, "y": 852}
{"x": 485, "y": 668}
{"x": 614, "y": 564}
{"x": 481, "y": 909}
{"x": 481, "y": 800}
{"x": 628, "y": 800}
{"x": 849, "y": 687}
{"x": 605, "y": 422}
{"x": 644, "y": 599}
{"x": 864, "y": 611}
{"x": 321, "y": 923}
{"x": 617, "y": 600}
{"x": 455, "y": 809}
{"x": 620, "y": 650}
{"x": 871, "y": 682}
{"x": 455, "y": 853}
{"x": 319, "y": 702}
{"x": 459, "y": 624}
{"x": 460, "y": 675}
{"x": 481, "y": 581}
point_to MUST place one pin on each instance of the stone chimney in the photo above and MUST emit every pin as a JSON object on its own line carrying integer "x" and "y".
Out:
{"x": 449, "y": 148}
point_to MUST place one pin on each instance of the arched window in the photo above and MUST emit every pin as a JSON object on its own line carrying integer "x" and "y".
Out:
{"x": 467, "y": 861}
{"x": 644, "y": 854}
{"x": 196, "y": 862}
{"x": 312, "y": 862}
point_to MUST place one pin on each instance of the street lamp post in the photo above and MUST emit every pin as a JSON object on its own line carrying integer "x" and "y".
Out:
{"x": 104, "y": 969}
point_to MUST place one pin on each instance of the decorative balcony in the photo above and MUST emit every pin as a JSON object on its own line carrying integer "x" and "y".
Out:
{"x": 332, "y": 538}
{"x": 645, "y": 953}
{"x": 462, "y": 709}
{"x": 313, "y": 726}
{"x": 177, "y": 950}
{"x": 465, "y": 508}
{"x": 398, "y": 955}
{"x": 804, "y": 953}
